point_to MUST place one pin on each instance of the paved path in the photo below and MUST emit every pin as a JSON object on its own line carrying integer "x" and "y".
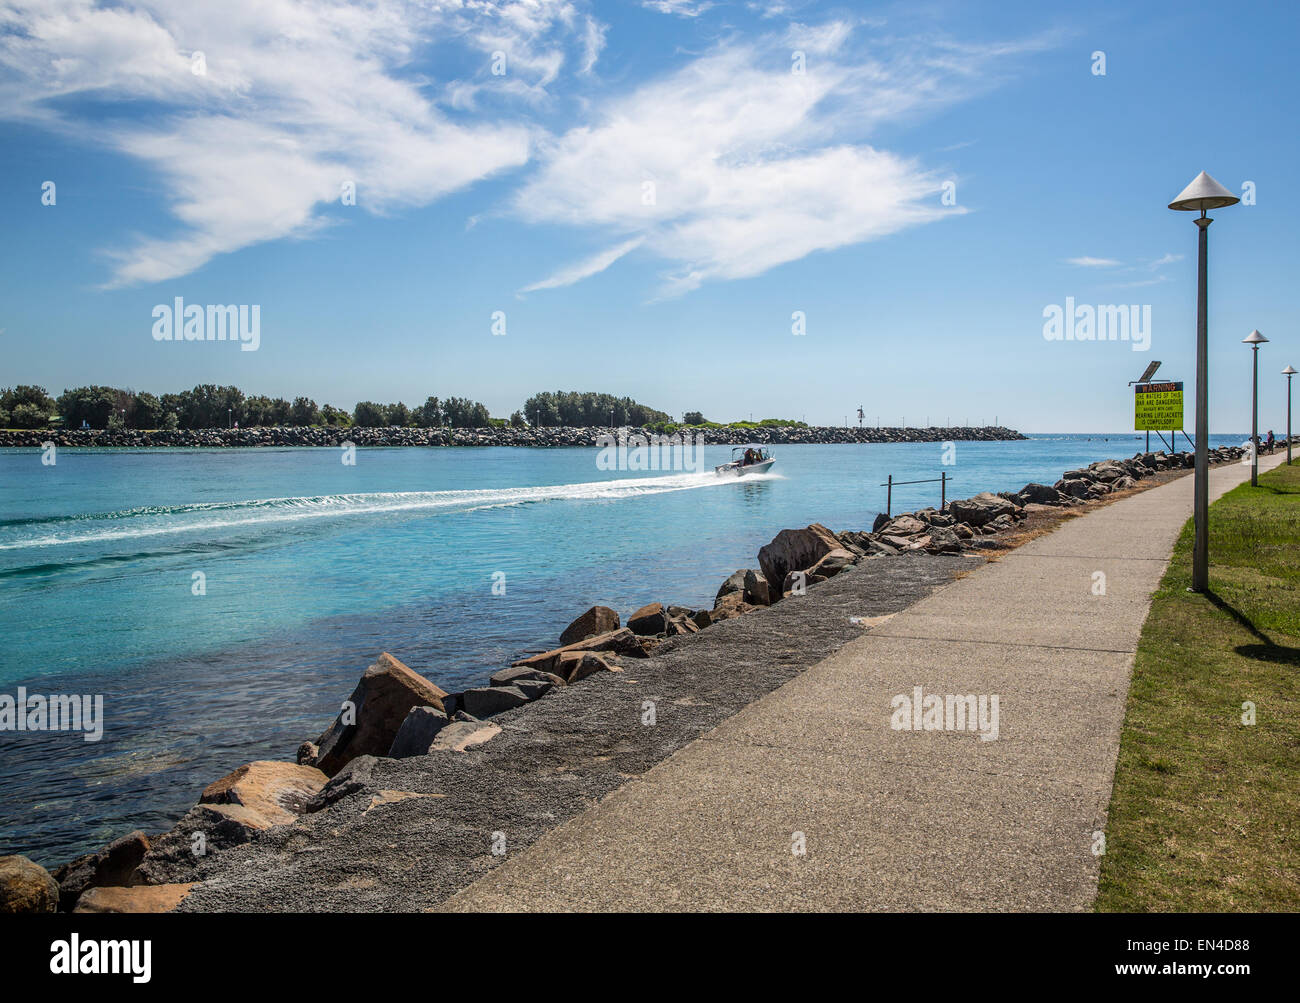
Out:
{"x": 893, "y": 819}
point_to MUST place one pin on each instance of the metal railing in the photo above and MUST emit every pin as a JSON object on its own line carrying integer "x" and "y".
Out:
{"x": 943, "y": 480}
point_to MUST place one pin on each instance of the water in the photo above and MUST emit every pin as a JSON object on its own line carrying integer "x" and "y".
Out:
{"x": 312, "y": 567}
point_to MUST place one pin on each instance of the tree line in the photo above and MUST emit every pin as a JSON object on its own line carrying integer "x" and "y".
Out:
{"x": 211, "y": 406}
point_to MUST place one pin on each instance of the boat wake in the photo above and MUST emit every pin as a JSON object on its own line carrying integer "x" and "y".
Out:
{"x": 157, "y": 520}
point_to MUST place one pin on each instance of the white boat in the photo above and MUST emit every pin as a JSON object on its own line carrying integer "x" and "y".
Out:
{"x": 753, "y": 458}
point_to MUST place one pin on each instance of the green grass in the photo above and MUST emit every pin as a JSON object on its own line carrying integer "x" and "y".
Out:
{"x": 1205, "y": 813}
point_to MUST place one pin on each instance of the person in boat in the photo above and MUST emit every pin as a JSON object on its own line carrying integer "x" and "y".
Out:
{"x": 748, "y": 458}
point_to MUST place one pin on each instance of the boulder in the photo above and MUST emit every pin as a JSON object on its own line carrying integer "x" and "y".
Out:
{"x": 140, "y": 899}
{"x": 648, "y": 620}
{"x": 488, "y": 700}
{"x": 308, "y": 754}
{"x": 1073, "y": 487}
{"x": 730, "y": 606}
{"x": 984, "y": 507}
{"x": 677, "y": 612}
{"x": 943, "y": 541}
{"x": 832, "y": 564}
{"x": 963, "y": 531}
{"x": 703, "y": 618}
{"x": 904, "y": 525}
{"x": 417, "y": 732}
{"x": 736, "y": 583}
{"x": 115, "y": 864}
{"x": 1039, "y": 494}
{"x": 681, "y": 626}
{"x": 1000, "y": 525}
{"x": 352, "y": 779}
{"x": 26, "y": 887}
{"x": 273, "y": 793}
{"x": 383, "y": 697}
{"x": 1123, "y": 483}
{"x": 879, "y": 548}
{"x": 581, "y": 664}
{"x": 460, "y": 736}
{"x": 796, "y": 550}
{"x": 880, "y": 522}
{"x": 597, "y": 620}
{"x": 756, "y": 591}
{"x": 618, "y": 642}
{"x": 516, "y": 674}
{"x": 1107, "y": 470}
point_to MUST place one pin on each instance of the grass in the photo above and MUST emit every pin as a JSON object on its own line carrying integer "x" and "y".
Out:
{"x": 1205, "y": 814}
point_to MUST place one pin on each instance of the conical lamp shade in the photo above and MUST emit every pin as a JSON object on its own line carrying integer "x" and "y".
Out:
{"x": 1203, "y": 193}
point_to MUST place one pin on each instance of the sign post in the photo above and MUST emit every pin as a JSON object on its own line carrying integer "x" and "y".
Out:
{"x": 1158, "y": 406}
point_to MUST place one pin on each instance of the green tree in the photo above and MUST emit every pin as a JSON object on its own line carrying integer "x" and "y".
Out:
{"x": 693, "y": 418}
{"x": 304, "y": 412}
{"x": 27, "y": 415}
{"x": 368, "y": 414}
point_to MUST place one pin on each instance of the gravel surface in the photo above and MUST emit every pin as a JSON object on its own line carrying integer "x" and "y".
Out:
{"x": 555, "y": 758}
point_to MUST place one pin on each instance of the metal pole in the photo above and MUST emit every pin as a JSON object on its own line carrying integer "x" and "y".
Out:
{"x": 1201, "y": 488}
{"x": 1254, "y": 418}
{"x": 889, "y": 496}
{"x": 1288, "y": 419}
{"x": 943, "y": 490}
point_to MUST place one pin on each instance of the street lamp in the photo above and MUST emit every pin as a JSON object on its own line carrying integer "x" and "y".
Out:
{"x": 1288, "y": 372}
{"x": 1202, "y": 194}
{"x": 1254, "y": 340}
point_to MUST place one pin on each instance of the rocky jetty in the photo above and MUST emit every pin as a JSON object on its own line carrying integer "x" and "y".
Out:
{"x": 396, "y": 714}
{"x": 538, "y": 438}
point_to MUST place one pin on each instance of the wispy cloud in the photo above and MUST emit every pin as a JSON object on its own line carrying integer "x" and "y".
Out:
{"x": 296, "y": 98}
{"x": 733, "y": 164}
{"x": 681, "y": 8}
{"x": 587, "y": 267}
{"x": 1086, "y": 262}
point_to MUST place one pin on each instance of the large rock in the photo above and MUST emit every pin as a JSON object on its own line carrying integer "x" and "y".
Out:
{"x": 578, "y": 665}
{"x": 832, "y": 564}
{"x": 649, "y": 620}
{"x": 756, "y": 591}
{"x": 274, "y": 793}
{"x": 384, "y": 696}
{"x": 736, "y": 583}
{"x": 597, "y": 620}
{"x": 904, "y": 525}
{"x": 618, "y": 642}
{"x": 460, "y": 736}
{"x": 796, "y": 550}
{"x": 26, "y": 886}
{"x": 984, "y": 507}
{"x": 140, "y": 899}
{"x": 517, "y": 674}
{"x": 115, "y": 864}
{"x": 1040, "y": 494}
{"x": 417, "y": 732}
{"x": 728, "y": 607}
{"x": 488, "y": 700}
{"x": 943, "y": 541}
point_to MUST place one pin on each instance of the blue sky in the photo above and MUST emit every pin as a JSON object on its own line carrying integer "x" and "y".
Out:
{"x": 526, "y": 192}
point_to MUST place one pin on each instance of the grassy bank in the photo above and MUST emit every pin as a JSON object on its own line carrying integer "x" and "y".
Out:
{"x": 1206, "y": 809}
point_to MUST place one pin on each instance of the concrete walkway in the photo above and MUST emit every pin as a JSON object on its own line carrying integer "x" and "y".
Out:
{"x": 896, "y": 819}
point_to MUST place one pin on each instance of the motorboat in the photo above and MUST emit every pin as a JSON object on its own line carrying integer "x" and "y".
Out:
{"x": 753, "y": 458}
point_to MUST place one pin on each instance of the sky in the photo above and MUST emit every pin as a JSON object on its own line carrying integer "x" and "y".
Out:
{"x": 785, "y": 209}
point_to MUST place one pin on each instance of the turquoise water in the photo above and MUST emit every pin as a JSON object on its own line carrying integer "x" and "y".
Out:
{"x": 311, "y": 567}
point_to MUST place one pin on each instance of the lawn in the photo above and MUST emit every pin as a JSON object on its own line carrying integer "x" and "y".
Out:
{"x": 1205, "y": 813}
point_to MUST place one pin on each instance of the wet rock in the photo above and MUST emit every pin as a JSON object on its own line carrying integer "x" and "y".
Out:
{"x": 26, "y": 887}
{"x": 384, "y": 696}
{"x": 417, "y": 732}
{"x": 597, "y": 620}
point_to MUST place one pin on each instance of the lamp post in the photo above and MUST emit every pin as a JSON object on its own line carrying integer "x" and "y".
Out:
{"x": 1202, "y": 194}
{"x": 1288, "y": 372}
{"x": 1254, "y": 340}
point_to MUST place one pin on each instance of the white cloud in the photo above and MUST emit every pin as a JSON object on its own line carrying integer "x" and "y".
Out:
{"x": 585, "y": 268}
{"x": 297, "y": 98}
{"x": 681, "y": 8}
{"x": 749, "y": 164}
{"x": 1086, "y": 262}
